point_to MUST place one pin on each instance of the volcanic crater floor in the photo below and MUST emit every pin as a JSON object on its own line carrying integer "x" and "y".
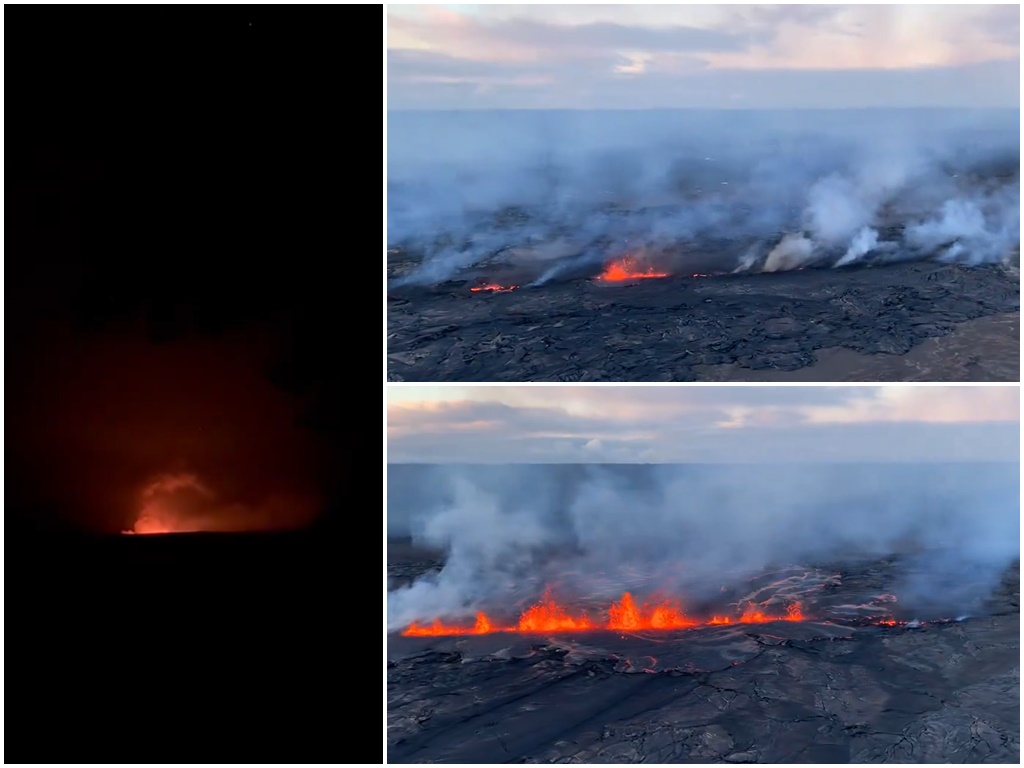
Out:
{"x": 916, "y": 321}
{"x": 821, "y": 690}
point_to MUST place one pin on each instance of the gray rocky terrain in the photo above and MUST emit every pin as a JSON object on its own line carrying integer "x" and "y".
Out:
{"x": 899, "y": 322}
{"x": 839, "y": 687}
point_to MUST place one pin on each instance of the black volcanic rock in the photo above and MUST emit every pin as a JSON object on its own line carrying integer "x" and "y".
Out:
{"x": 682, "y": 328}
{"x": 829, "y": 692}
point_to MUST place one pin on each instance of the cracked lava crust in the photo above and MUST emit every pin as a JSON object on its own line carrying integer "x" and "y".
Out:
{"x": 841, "y": 683}
{"x": 918, "y": 321}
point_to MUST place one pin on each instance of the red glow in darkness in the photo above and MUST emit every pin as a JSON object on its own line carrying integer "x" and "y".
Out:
{"x": 116, "y": 417}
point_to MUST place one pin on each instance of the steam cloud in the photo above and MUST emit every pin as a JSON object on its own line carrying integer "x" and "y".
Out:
{"x": 552, "y": 193}
{"x": 509, "y": 531}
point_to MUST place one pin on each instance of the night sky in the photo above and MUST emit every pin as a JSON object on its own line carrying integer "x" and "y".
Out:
{"x": 175, "y": 226}
{"x": 170, "y": 306}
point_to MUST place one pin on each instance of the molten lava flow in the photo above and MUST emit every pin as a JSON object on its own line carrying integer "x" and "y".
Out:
{"x": 482, "y": 627}
{"x": 623, "y": 615}
{"x": 493, "y": 288}
{"x": 752, "y": 615}
{"x": 549, "y": 616}
{"x": 665, "y": 615}
{"x": 627, "y": 269}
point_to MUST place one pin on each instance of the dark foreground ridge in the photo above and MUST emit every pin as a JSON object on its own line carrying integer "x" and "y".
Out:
{"x": 233, "y": 629}
{"x": 829, "y": 692}
{"x": 901, "y": 322}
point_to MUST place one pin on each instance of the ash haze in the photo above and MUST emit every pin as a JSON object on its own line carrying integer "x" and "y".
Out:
{"x": 702, "y": 424}
{"x": 702, "y": 56}
{"x": 737, "y": 479}
{"x": 803, "y": 135}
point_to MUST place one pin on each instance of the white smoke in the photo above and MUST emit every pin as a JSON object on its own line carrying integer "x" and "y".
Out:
{"x": 862, "y": 244}
{"x": 704, "y": 191}
{"x": 973, "y": 230}
{"x": 836, "y": 210}
{"x": 792, "y": 252}
{"x": 509, "y": 531}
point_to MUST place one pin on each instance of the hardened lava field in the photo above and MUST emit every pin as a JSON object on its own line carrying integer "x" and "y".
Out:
{"x": 851, "y": 679}
{"x": 919, "y": 321}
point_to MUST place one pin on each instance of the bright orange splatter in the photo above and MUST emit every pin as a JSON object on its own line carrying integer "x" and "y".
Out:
{"x": 667, "y": 614}
{"x": 549, "y": 616}
{"x": 627, "y": 268}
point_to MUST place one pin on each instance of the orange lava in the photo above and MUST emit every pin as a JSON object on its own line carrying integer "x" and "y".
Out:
{"x": 627, "y": 269}
{"x": 493, "y": 288}
{"x": 548, "y": 615}
{"x": 664, "y": 615}
{"x": 482, "y": 627}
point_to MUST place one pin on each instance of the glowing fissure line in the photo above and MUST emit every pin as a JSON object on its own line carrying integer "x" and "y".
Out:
{"x": 623, "y": 615}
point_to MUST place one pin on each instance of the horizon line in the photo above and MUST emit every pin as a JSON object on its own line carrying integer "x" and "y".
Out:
{"x": 947, "y": 108}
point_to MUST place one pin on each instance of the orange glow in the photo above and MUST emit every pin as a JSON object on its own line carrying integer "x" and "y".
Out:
{"x": 664, "y": 615}
{"x": 627, "y": 268}
{"x": 752, "y": 615}
{"x": 169, "y": 504}
{"x": 549, "y": 616}
{"x": 481, "y": 627}
{"x": 625, "y": 614}
{"x": 493, "y": 288}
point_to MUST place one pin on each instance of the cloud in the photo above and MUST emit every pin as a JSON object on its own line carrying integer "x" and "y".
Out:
{"x": 671, "y": 82}
{"x": 937, "y": 405}
{"x": 518, "y": 39}
{"x": 608, "y": 36}
{"x": 717, "y": 424}
{"x": 751, "y": 56}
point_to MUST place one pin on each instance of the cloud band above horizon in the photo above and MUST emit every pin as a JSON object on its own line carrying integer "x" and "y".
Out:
{"x": 703, "y": 56}
{"x": 702, "y": 424}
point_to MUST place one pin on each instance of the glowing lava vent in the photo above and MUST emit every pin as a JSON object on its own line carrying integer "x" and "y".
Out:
{"x": 626, "y": 269}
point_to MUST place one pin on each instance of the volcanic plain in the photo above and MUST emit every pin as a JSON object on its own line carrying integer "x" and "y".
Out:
{"x": 909, "y": 321}
{"x": 856, "y": 680}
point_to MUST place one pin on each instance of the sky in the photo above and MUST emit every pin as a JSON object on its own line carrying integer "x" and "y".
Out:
{"x": 569, "y": 424}
{"x": 702, "y": 56}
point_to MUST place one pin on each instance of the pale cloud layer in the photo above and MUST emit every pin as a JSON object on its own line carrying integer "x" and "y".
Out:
{"x": 626, "y": 56}
{"x": 713, "y": 424}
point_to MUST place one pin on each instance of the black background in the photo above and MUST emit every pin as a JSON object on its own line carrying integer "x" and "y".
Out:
{"x": 180, "y": 174}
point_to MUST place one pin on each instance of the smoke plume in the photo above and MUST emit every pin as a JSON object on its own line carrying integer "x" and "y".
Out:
{"x": 510, "y": 531}
{"x": 551, "y": 194}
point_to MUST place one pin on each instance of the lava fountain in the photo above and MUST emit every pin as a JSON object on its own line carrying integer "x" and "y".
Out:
{"x": 547, "y": 615}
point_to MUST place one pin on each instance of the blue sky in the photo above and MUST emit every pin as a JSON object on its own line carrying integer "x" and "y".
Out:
{"x": 707, "y": 424}
{"x": 702, "y": 56}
